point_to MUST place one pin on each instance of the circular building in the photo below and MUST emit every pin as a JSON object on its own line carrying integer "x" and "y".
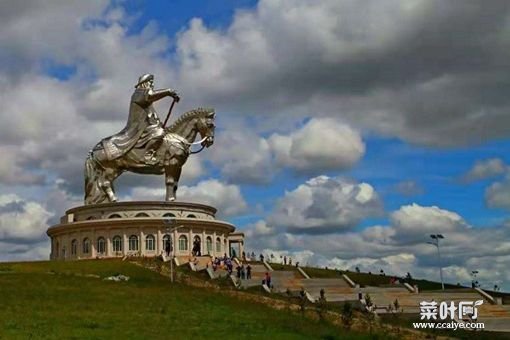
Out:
{"x": 142, "y": 229}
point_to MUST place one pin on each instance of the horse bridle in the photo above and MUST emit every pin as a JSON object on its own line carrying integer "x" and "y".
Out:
{"x": 196, "y": 143}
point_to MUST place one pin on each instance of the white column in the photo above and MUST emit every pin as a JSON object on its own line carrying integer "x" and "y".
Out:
{"x": 175, "y": 241}
{"x": 93, "y": 244}
{"x": 109, "y": 244}
{"x": 125, "y": 241}
{"x": 141, "y": 246}
{"x": 214, "y": 245}
{"x": 190, "y": 242}
{"x": 159, "y": 241}
{"x": 203, "y": 246}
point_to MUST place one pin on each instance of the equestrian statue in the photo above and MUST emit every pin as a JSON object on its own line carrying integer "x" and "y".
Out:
{"x": 145, "y": 145}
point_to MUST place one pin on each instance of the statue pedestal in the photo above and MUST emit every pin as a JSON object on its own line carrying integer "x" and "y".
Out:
{"x": 141, "y": 228}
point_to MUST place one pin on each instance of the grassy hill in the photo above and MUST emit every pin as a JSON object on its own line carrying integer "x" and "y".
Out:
{"x": 48, "y": 300}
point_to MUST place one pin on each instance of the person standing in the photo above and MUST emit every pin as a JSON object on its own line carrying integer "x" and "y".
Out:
{"x": 248, "y": 272}
{"x": 243, "y": 272}
{"x": 267, "y": 280}
{"x": 168, "y": 247}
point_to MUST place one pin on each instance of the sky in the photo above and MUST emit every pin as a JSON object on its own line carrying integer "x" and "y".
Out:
{"x": 347, "y": 131}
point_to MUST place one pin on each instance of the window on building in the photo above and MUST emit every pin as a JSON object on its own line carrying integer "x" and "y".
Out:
{"x": 208, "y": 244}
{"x": 150, "y": 243}
{"x": 142, "y": 214}
{"x": 90, "y": 218}
{"x": 86, "y": 246}
{"x": 101, "y": 245}
{"x": 114, "y": 216}
{"x": 183, "y": 243}
{"x": 133, "y": 242}
{"x": 74, "y": 247}
{"x": 170, "y": 215}
{"x": 218, "y": 245}
{"x": 191, "y": 216}
{"x": 117, "y": 243}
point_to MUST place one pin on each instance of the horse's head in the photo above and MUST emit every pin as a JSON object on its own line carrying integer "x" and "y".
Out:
{"x": 205, "y": 126}
{"x": 197, "y": 121}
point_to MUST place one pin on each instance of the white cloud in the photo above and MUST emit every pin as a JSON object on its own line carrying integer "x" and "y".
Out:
{"x": 497, "y": 195}
{"x": 462, "y": 251}
{"x": 259, "y": 228}
{"x": 409, "y": 188}
{"x": 374, "y": 63}
{"x": 25, "y": 252}
{"x": 483, "y": 169}
{"x": 22, "y": 220}
{"x": 400, "y": 247}
{"x": 325, "y": 204}
{"x": 413, "y": 221}
{"x": 242, "y": 156}
{"x": 227, "y": 198}
{"x": 321, "y": 145}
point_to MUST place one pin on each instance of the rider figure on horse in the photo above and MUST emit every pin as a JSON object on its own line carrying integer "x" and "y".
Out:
{"x": 143, "y": 129}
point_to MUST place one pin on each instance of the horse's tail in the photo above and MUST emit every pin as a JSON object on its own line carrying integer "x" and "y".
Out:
{"x": 93, "y": 191}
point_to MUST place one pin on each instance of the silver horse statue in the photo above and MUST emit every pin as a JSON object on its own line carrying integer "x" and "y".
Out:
{"x": 170, "y": 156}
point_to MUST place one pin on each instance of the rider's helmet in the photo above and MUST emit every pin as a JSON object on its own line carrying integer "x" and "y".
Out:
{"x": 144, "y": 78}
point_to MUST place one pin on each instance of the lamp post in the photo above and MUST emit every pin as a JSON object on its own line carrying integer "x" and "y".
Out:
{"x": 436, "y": 238}
{"x": 169, "y": 230}
{"x": 474, "y": 282}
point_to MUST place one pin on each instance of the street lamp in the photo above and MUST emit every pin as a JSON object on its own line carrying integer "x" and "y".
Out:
{"x": 474, "y": 282}
{"x": 168, "y": 231}
{"x": 436, "y": 238}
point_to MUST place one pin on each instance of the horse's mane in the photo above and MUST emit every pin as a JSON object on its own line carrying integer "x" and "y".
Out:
{"x": 187, "y": 116}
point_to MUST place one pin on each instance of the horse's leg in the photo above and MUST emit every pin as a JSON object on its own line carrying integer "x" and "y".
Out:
{"x": 176, "y": 180}
{"x": 172, "y": 175}
{"x": 107, "y": 183}
{"x": 170, "y": 183}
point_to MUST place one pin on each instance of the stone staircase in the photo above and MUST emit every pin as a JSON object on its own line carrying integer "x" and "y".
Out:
{"x": 495, "y": 317}
{"x": 410, "y": 302}
{"x": 283, "y": 280}
{"x": 219, "y": 272}
{"x": 334, "y": 289}
{"x": 199, "y": 263}
{"x": 182, "y": 260}
{"x": 258, "y": 272}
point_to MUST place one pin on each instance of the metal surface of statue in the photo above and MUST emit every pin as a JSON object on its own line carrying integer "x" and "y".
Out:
{"x": 145, "y": 146}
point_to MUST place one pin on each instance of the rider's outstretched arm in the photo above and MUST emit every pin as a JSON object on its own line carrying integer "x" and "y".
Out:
{"x": 154, "y": 95}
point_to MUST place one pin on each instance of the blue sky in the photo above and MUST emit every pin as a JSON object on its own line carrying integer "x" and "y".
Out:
{"x": 369, "y": 125}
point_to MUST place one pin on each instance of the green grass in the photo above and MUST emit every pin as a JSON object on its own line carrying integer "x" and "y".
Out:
{"x": 320, "y": 273}
{"x": 50, "y": 300}
{"x": 279, "y": 266}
